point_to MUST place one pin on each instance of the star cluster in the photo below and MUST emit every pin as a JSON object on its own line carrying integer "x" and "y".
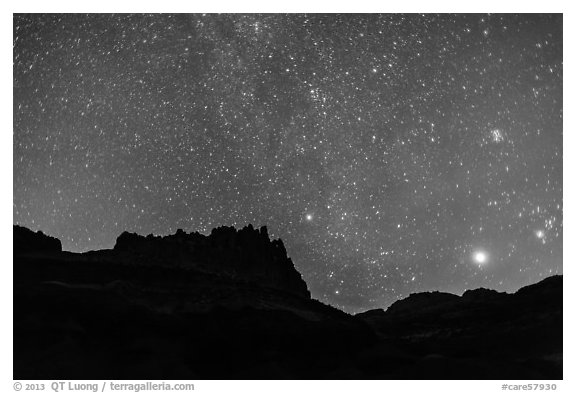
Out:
{"x": 391, "y": 153}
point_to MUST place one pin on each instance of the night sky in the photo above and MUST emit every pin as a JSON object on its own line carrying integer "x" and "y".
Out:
{"x": 392, "y": 154}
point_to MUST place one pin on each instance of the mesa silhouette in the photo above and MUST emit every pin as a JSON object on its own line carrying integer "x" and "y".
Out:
{"x": 231, "y": 305}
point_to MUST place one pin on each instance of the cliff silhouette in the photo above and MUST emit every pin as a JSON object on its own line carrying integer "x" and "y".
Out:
{"x": 247, "y": 254}
{"x": 231, "y": 305}
{"x": 27, "y": 241}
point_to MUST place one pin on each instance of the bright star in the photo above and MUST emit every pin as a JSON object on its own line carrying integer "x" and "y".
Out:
{"x": 480, "y": 257}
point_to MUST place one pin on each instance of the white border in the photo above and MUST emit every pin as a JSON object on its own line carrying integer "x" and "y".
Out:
{"x": 494, "y": 6}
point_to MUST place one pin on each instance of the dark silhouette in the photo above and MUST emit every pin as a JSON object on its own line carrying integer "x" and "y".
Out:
{"x": 246, "y": 255}
{"x": 27, "y": 241}
{"x": 231, "y": 305}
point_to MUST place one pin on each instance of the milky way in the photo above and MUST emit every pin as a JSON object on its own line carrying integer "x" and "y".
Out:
{"x": 391, "y": 153}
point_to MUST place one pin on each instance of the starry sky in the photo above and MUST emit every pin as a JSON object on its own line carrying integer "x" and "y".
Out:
{"x": 391, "y": 153}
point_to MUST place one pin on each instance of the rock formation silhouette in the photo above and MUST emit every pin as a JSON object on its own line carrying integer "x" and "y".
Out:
{"x": 27, "y": 241}
{"x": 247, "y": 254}
{"x": 231, "y": 305}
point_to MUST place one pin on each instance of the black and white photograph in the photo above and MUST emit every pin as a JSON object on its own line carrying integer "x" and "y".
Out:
{"x": 287, "y": 196}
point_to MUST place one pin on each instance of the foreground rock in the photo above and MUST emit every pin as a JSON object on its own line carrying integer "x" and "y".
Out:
{"x": 482, "y": 334}
{"x": 231, "y": 306}
{"x": 29, "y": 242}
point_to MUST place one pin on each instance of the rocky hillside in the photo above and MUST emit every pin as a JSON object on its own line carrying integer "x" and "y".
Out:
{"x": 231, "y": 305}
{"x": 245, "y": 254}
{"x": 483, "y": 334}
{"x": 27, "y": 242}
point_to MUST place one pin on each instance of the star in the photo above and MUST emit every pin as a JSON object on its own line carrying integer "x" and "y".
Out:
{"x": 480, "y": 257}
